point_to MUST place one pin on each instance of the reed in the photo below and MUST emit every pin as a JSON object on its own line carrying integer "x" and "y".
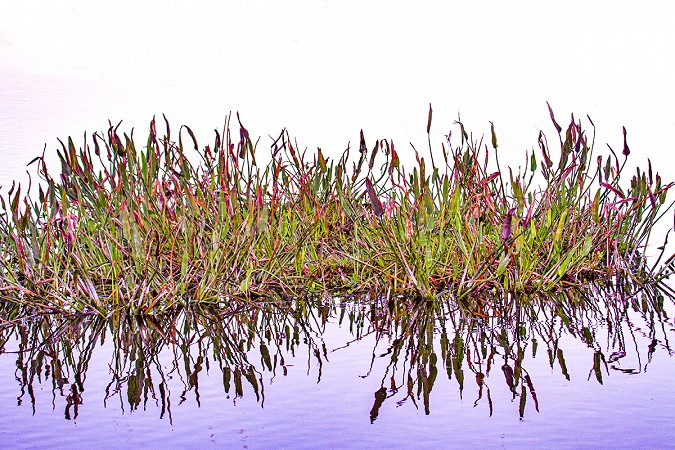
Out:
{"x": 148, "y": 230}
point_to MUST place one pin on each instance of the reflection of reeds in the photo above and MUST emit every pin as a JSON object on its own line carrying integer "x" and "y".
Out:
{"x": 432, "y": 336}
{"x": 241, "y": 343}
{"x": 418, "y": 340}
{"x": 148, "y": 230}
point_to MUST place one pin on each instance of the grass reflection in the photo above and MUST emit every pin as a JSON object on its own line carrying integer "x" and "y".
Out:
{"x": 415, "y": 343}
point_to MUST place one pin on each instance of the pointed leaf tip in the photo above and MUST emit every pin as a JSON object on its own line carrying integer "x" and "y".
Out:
{"x": 626, "y": 150}
{"x": 429, "y": 120}
{"x": 550, "y": 111}
{"x": 374, "y": 200}
{"x": 613, "y": 189}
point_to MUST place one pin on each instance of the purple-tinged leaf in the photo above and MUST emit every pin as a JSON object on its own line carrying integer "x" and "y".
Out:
{"x": 542, "y": 145}
{"x": 395, "y": 162}
{"x": 15, "y": 202}
{"x": 567, "y": 172}
{"x": 192, "y": 135}
{"x": 626, "y": 150}
{"x": 508, "y": 374}
{"x": 489, "y": 178}
{"x": 322, "y": 162}
{"x": 429, "y": 120}
{"x": 121, "y": 150}
{"x": 550, "y": 111}
{"x": 494, "y": 136}
{"x": 243, "y": 138}
{"x": 374, "y": 200}
{"x": 625, "y": 200}
{"x": 616, "y": 205}
{"x": 563, "y": 365}
{"x": 37, "y": 158}
{"x": 372, "y": 156}
{"x": 534, "y": 394}
{"x": 153, "y": 132}
{"x": 506, "y": 227}
{"x": 597, "y": 357}
{"x": 651, "y": 196}
{"x": 97, "y": 149}
{"x": 613, "y": 189}
{"x": 579, "y": 141}
{"x": 217, "y": 145}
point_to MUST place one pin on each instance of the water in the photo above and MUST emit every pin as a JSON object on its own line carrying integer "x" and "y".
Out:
{"x": 337, "y": 374}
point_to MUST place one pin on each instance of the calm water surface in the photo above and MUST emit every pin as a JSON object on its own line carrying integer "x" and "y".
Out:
{"x": 346, "y": 373}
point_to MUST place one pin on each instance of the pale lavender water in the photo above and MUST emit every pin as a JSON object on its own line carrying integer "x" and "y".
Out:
{"x": 299, "y": 411}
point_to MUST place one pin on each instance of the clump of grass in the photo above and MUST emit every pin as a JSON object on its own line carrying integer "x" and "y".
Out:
{"x": 147, "y": 230}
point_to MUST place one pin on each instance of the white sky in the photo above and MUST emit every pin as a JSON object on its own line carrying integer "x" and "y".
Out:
{"x": 326, "y": 69}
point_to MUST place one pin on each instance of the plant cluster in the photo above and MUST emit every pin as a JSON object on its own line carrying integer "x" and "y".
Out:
{"x": 146, "y": 230}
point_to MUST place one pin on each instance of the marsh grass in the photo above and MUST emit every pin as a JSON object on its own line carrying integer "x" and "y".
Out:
{"x": 148, "y": 230}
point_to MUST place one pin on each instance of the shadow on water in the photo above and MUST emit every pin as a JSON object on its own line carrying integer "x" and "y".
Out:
{"x": 412, "y": 344}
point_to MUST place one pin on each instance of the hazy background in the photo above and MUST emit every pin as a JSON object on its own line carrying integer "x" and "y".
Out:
{"x": 327, "y": 69}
